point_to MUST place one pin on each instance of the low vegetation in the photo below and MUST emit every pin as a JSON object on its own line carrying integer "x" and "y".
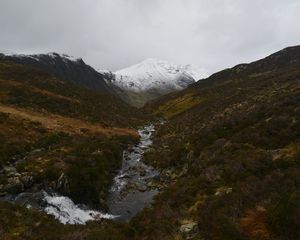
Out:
{"x": 28, "y": 224}
{"x": 241, "y": 150}
{"x": 26, "y": 87}
{"x": 175, "y": 106}
{"x": 229, "y": 155}
{"x": 60, "y": 136}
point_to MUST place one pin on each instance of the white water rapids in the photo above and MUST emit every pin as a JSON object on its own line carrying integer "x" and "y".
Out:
{"x": 64, "y": 210}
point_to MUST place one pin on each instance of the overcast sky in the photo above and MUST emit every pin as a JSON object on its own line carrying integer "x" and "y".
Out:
{"x": 112, "y": 34}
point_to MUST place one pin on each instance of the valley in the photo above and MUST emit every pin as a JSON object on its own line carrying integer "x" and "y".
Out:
{"x": 217, "y": 159}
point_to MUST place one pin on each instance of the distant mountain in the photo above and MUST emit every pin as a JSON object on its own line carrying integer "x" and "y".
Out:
{"x": 155, "y": 73}
{"x": 153, "y": 78}
{"x": 135, "y": 85}
{"x": 72, "y": 69}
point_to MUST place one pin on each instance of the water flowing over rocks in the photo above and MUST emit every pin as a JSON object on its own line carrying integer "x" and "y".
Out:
{"x": 131, "y": 190}
{"x": 64, "y": 209}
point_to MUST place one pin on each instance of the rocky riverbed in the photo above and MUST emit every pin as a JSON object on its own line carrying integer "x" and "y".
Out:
{"x": 131, "y": 190}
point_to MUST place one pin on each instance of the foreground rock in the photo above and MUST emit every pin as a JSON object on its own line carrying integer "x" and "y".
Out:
{"x": 189, "y": 230}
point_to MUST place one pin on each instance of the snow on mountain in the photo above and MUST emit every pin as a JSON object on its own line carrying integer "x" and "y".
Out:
{"x": 7, "y": 53}
{"x": 37, "y": 57}
{"x": 154, "y": 73}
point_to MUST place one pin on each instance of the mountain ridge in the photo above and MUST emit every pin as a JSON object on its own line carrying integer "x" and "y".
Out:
{"x": 143, "y": 82}
{"x": 72, "y": 69}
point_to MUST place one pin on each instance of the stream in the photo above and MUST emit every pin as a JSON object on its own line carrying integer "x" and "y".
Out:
{"x": 128, "y": 195}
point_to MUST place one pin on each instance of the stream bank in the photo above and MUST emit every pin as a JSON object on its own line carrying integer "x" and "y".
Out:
{"x": 129, "y": 194}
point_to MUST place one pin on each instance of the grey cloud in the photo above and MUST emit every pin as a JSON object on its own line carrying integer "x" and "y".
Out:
{"x": 112, "y": 34}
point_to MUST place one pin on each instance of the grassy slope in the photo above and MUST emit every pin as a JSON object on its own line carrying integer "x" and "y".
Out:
{"x": 139, "y": 99}
{"x": 59, "y": 128}
{"x": 238, "y": 134}
{"x": 26, "y": 87}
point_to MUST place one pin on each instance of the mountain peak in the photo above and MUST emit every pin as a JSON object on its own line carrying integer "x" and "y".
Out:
{"x": 153, "y": 73}
{"x": 153, "y": 61}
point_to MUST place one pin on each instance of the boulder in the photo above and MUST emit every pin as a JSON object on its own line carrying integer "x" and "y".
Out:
{"x": 14, "y": 185}
{"x": 2, "y": 190}
{"x": 62, "y": 183}
{"x": 141, "y": 188}
{"x": 10, "y": 171}
{"x": 223, "y": 191}
{"x": 143, "y": 172}
{"x": 27, "y": 180}
{"x": 151, "y": 184}
{"x": 189, "y": 230}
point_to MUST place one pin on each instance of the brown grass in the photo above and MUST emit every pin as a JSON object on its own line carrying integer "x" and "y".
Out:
{"x": 253, "y": 224}
{"x": 38, "y": 90}
{"x": 63, "y": 124}
{"x": 290, "y": 151}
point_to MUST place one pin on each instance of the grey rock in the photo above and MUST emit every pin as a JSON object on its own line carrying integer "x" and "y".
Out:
{"x": 143, "y": 172}
{"x": 2, "y": 190}
{"x": 2, "y": 194}
{"x": 223, "y": 191}
{"x": 14, "y": 185}
{"x": 189, "y": 230}
{"x": 10, "y": 171}
{"x": 142, "y": 188}
{"x": 62, "y": 183}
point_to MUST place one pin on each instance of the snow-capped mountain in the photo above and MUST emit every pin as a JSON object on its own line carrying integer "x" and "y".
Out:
{"x": 157, "y": 74}
{"x": 136, "y": 85}
{"x": 151, "y": 79}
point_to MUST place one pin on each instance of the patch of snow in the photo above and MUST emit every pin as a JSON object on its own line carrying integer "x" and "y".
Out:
{"x": 109, "y": 76}
{"x": 67, "y": 212}
{"x": 194, "y": 72}
{"x": 155, "y": 73}
{"x": 67, "y": 57}
{"x": 104, "y": 71}
{"x": 7, "y": 53}
{"x": 38, "y": 56}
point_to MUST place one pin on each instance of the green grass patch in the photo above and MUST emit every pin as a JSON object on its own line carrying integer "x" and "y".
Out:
{"x": 179, "y": 105}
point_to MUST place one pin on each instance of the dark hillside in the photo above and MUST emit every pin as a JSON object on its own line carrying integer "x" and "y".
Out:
{"x": 64, "y": 67}
{"x": 28, "y": 87}
{"x": 232, "y": 146}
{"x": 55, "y": 134}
